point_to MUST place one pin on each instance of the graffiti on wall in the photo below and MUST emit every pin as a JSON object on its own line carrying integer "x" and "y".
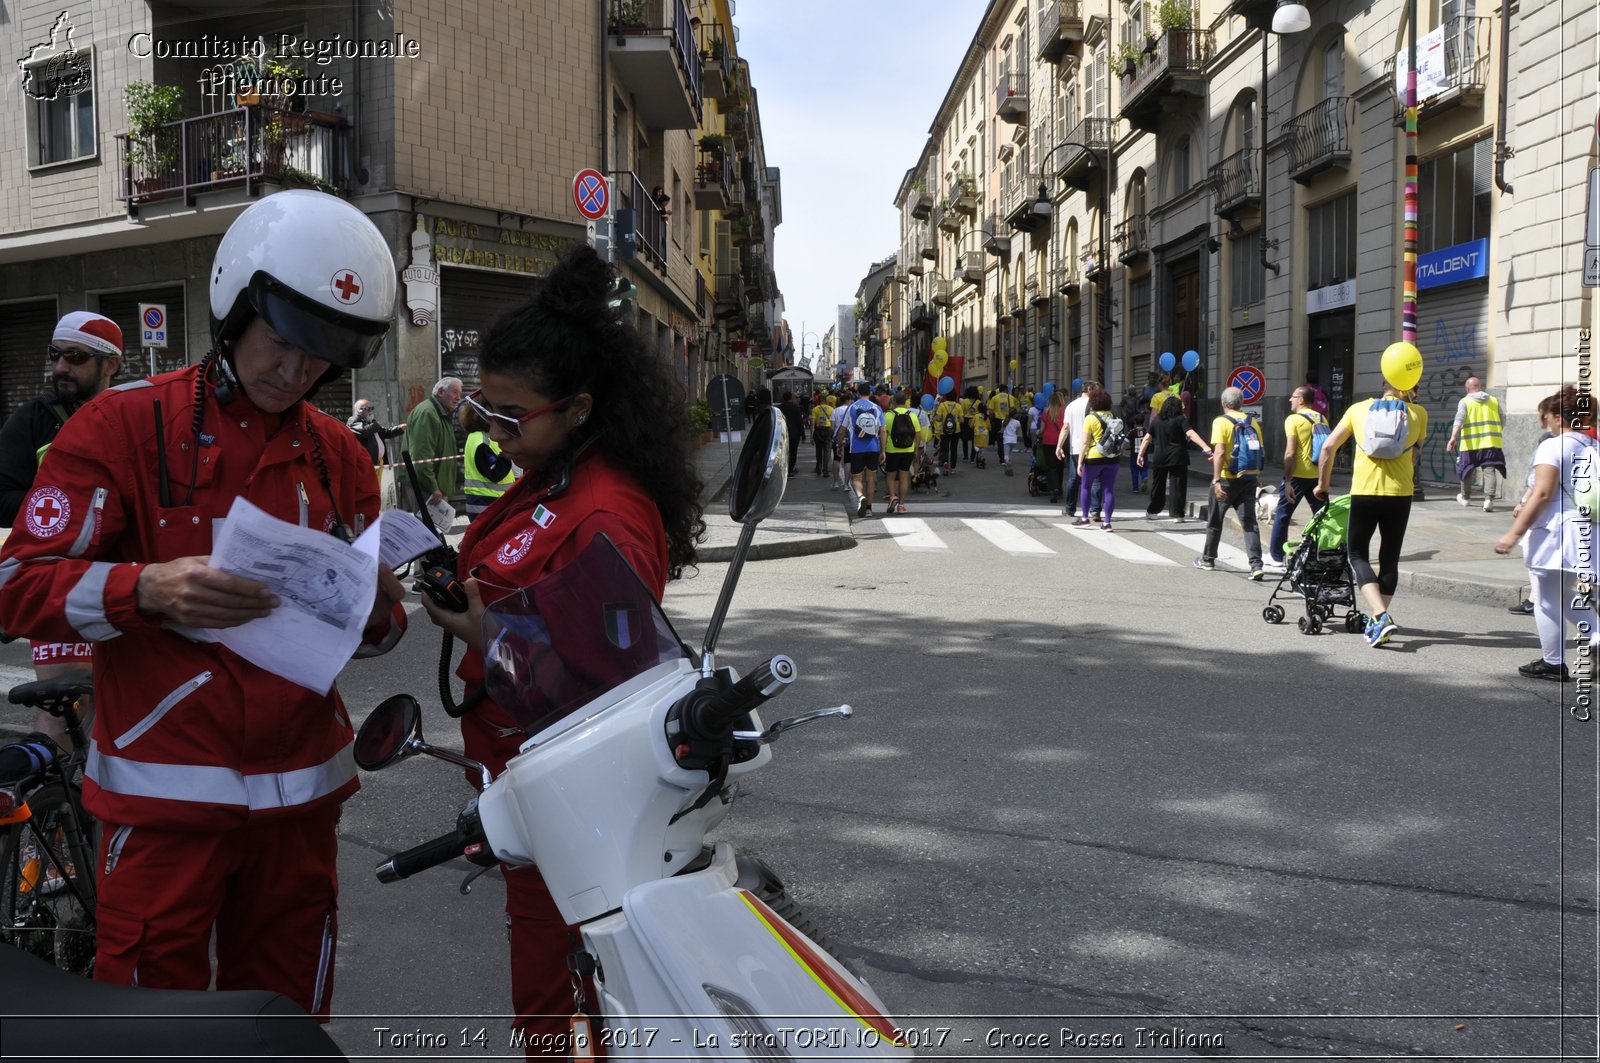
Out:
{"x": 1456, "y": 353}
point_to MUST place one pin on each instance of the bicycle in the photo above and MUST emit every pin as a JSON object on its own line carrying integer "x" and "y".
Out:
{"x": 49, "y": 844}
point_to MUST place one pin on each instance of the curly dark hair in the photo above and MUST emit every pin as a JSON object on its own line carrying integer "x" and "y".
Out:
{"x": 569, "y": 339}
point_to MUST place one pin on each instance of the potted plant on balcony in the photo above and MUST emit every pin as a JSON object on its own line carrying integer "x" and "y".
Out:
{"x": 627, "y": 17}
{"x": 1127, "y": 59}
{"x": 150, "y": 109}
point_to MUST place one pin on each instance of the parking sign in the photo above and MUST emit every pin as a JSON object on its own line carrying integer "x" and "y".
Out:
{"x": 153, "y": 325}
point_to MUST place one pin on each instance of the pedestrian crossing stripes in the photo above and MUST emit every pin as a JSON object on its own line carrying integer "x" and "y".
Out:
{"x": 1022, "y": 532}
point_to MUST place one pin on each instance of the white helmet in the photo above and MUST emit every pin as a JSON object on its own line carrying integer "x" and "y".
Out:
{"x": 314, "y": 268}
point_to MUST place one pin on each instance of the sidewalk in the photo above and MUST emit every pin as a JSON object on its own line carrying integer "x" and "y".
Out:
{"x": 795, "y": 529}
{"x": 1449, "y": 551}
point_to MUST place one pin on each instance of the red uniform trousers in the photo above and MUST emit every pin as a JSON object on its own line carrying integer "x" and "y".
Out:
{"x": 270, "y": 889}
{"x": 541, "y": 940}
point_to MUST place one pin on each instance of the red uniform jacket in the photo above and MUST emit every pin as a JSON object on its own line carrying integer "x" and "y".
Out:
{"x": 528, "y": 532}
{"x": 187, "y": 735}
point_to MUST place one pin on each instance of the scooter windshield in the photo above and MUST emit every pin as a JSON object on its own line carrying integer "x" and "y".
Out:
{"x": 582, "y": 630}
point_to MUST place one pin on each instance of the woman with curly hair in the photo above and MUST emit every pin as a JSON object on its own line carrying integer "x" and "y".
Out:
{"x": 577, "y": 400}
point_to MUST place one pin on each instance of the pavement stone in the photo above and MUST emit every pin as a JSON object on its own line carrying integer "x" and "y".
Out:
{"x": 1449, "y": 550}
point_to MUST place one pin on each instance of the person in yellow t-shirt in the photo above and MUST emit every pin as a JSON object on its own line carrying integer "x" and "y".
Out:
{"x": 1233, "y": 487}
{"x": 822, "y": 436}
{"x": 947, "y": 418}
{"x": 897, "y": 457}
{"x": 1300, "y": 430}
{"x": 1381, "y": 485}
{"x": 968, "y": 452}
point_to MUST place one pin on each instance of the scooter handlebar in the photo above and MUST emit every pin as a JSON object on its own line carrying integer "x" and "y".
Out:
{"x": 408, "y": 862}
{"x": 718, "y": 712}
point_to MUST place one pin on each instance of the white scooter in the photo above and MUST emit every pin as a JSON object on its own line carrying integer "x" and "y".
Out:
{"x": 633, "y": 750}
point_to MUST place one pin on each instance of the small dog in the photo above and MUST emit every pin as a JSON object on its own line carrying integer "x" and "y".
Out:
{"x": 1266, "y": 504}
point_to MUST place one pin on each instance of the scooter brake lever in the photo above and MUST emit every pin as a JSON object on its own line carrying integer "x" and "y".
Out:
{"x": 843, "y": 712}
{"x": 473, "y": 876}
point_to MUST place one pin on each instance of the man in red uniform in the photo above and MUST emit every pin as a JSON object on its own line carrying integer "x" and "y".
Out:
{"x": 217, "y": 784}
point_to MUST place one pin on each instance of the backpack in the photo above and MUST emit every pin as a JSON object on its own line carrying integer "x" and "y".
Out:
{"x": 952, "y": 427}
{"x": 1113, "y": 436}
{"x": 866, "y": 421}
{"x": 1319, "y": 435}
{"x": 1387, "y": 425}
{"x": 1247, "y": 457}
{"x": 903, "y": 430}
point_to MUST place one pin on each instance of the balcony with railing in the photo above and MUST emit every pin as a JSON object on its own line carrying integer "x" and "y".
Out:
{"x": 1175, "y": 68}
{"x": 1320, "y": 138}
{"x": 245, "y": 147}
{"x": 948, "y": 219}
{"x": 1060, "y": 27}
{"x": 1082, "y": 149}
{"x": 1467, "y": 43}
{"x": 1017, "y": 199}
{"x": 712, "y": 186}
{"x": 921, "y": 200}
{"x": 647, "y": 235}
{"x": 1011, "y": 97}
{"x": 995, "y": 241}
{"x": 651, "y": 43}
{"x": 716, "y": 65}
{"x": 1094, "y": 262}
{"x": 972, "y": 266}
{"x": 1133, "y": 235}
{"x": 1237, "y": 180}
{"x": 963, "y": 194}
{"x": 941, "y": 291}
{"x": 923, "y": 242}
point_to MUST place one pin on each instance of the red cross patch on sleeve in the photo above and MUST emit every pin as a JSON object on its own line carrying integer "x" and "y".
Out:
{"x": 46, "y": 512}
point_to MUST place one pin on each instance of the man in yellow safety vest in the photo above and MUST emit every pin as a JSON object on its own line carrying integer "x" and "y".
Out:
{"x": 1477, "y": 427}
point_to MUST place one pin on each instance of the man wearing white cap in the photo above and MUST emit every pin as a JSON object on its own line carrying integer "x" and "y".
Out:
{"x": 85, "y": 352}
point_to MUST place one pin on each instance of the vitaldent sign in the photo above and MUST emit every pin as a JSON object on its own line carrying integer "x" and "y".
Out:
{"x": 1452, "y": 265}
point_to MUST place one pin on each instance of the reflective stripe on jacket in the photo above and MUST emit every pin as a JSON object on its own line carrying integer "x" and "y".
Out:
{"x": 474, "y": 482}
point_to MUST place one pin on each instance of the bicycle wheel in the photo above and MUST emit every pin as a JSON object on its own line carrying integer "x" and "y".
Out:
{"x": 47, "y": 888}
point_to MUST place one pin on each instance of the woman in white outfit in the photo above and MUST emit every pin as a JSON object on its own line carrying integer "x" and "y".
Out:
{"x": 1562, "y": 542}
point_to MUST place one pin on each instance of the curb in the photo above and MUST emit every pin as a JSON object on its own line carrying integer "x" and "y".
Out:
{"x": 772, "y": 551}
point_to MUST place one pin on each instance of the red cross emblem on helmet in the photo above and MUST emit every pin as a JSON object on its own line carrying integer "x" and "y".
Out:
{"x": 347, "y": 286}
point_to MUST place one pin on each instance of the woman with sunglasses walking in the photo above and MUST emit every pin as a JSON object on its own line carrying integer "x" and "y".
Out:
{"x": 576, "y": 398}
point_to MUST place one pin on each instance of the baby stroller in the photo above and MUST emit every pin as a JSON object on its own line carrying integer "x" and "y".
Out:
{"x": 1319, "y": 573}
{"x": 925, "y": 469}
{"x": 1038, "y": 478}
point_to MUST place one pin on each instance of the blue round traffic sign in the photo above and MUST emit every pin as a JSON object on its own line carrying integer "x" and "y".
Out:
{"x": 1250, "y": 381}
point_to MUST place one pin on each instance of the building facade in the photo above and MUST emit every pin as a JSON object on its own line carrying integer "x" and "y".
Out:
{"x": 141, "y": 131}
{"x": 1111, "y": 180}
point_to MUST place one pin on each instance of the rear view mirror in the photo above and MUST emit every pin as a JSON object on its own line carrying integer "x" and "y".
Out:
{"x": 762, "y": 472}
{"x": 387, "y": 733}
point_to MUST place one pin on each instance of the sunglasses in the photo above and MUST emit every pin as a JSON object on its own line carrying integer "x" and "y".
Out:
{"x": 512, "y": 426}
{"x": 71, "y": 357}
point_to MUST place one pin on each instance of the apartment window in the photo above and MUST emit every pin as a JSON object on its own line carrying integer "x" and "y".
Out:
{"x": 61, "y": 107}
{"x": 1139, "y": 306}
{"x": 1181, "y": 174}
{"x": 1455, "y": 197}
{"x": 1099, "y": 96}
{"x": 1244, "y": 117}
{"x": 1244, "y": 266}
{"x": 1133, "y": 23}
{"x": 1333, "y": 70}
{"x": 1331, "y": 240}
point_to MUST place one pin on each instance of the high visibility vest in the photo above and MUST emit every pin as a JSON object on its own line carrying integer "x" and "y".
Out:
{"x": 1481, "y": 427}
{"x": 475, "y": 484}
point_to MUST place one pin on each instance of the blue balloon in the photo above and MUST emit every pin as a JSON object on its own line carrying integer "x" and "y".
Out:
{"x": 946, "y": 385}
{"x": 1191, "y": 361}
{"x": 1040, "y": 401}
{"x": 927, "y": 400}
{"x": 1167, "y": 362}
{"x": 1049, "y": 389}
{"x": 1077, "y": 384}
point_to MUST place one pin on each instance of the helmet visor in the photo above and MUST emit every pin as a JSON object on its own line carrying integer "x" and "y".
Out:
{"x": 339, "y": 339}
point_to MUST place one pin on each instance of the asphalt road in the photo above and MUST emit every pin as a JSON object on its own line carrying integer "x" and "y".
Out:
{"x": 1089, "y": 795}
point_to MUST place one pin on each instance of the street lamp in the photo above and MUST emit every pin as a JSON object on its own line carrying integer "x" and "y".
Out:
{"x": 1290, "y": 18}
{"x": 1042, "y": 207}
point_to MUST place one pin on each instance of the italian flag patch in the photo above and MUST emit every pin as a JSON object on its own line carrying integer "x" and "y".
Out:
{"x": 543, "y": 517}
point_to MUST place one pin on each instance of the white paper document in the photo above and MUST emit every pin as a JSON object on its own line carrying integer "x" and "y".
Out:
{"x": 325, "y": 589}
{"x": 402, "y": 536}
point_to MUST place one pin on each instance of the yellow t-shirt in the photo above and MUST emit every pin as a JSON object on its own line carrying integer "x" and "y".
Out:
{"x": 1001, "y": 405}
{"x": 1389, "y": 477}
{"x": 1092, "y": 431}
{"x": 821, "y": 417}
{"x": 1299, "y": 427}
{"x": 1222, "y": 440}
{"x": 1157, "y": 401}
{"x": 888, "y": 429}
{"x": 947, "y": 408}
{"x": 980, "y": 431}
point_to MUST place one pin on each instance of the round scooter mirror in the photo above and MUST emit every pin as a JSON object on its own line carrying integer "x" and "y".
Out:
{"x": 762, "y": 472}
{"x": 387, "y": 732}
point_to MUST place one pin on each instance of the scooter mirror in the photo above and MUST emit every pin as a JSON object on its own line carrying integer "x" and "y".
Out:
{"x": 387, "y": 731}
{"x": 762, "y": 472}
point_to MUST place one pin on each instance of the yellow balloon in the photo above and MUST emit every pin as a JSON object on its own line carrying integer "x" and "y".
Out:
{"x": 1402, "y": 365}
{"x": 939, "y": 343}
{"x": 1013, "y": 365}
